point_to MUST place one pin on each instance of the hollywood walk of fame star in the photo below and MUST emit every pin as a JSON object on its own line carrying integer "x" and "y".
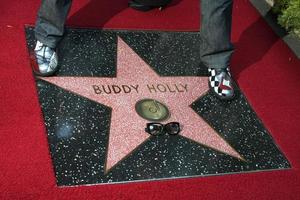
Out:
{"x": 135, "y": 80}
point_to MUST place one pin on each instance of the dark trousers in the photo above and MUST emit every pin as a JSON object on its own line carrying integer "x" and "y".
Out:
{"x": 215, "y": 51}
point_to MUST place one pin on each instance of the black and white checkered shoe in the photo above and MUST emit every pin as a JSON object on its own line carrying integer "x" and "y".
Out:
{"x": 221, "y": 83}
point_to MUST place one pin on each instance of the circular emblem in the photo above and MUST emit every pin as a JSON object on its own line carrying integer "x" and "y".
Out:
{"x": 152, "y": 110}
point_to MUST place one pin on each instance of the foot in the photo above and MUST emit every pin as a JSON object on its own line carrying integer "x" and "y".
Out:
{"x": 46, "y": 59}
{"x": 221, "y": 83}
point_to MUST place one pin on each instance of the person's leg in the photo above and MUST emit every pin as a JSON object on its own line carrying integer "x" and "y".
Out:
{"x": 50, "y": 21}
{"x": 49, "y": 30}
{"x": 217, "y": 48}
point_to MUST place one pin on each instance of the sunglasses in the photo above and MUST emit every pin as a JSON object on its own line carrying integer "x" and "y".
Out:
{"x": 172, "y": 128}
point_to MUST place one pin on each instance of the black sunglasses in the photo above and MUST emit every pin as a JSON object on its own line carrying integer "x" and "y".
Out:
{"x": 172, "y": 128}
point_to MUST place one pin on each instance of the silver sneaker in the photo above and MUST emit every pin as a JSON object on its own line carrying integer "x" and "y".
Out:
{"x": 46, "y": 59}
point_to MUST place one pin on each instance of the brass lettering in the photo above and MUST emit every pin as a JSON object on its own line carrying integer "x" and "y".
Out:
{"x": 116, "y": 89}
{"x": 96, "y": 89}
{"x": 135, "y": 87}
{"x": 161, "y": 88}
{"x": 151, "y": 88}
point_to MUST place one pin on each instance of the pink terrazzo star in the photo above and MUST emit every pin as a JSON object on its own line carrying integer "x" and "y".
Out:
{"x": 135, "y": 80}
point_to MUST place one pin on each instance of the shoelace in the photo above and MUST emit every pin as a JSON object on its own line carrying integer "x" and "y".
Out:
{"x": 42, "y": 58}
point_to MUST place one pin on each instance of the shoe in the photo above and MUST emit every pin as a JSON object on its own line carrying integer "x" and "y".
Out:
{"x": 46, "y": 60}
{"x": 141, "y": 7}
{"x": 221, "y": 83}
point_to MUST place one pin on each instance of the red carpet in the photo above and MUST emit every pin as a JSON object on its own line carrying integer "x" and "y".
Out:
{"x": 265, "y": 68}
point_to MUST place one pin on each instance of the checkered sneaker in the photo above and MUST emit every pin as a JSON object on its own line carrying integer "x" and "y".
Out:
{"x": 220, "y": 82}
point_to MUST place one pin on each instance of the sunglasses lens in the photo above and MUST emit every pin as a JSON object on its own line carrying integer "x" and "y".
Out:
{"x": 154, "y": 128}
{"x": 172, "y": 128}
